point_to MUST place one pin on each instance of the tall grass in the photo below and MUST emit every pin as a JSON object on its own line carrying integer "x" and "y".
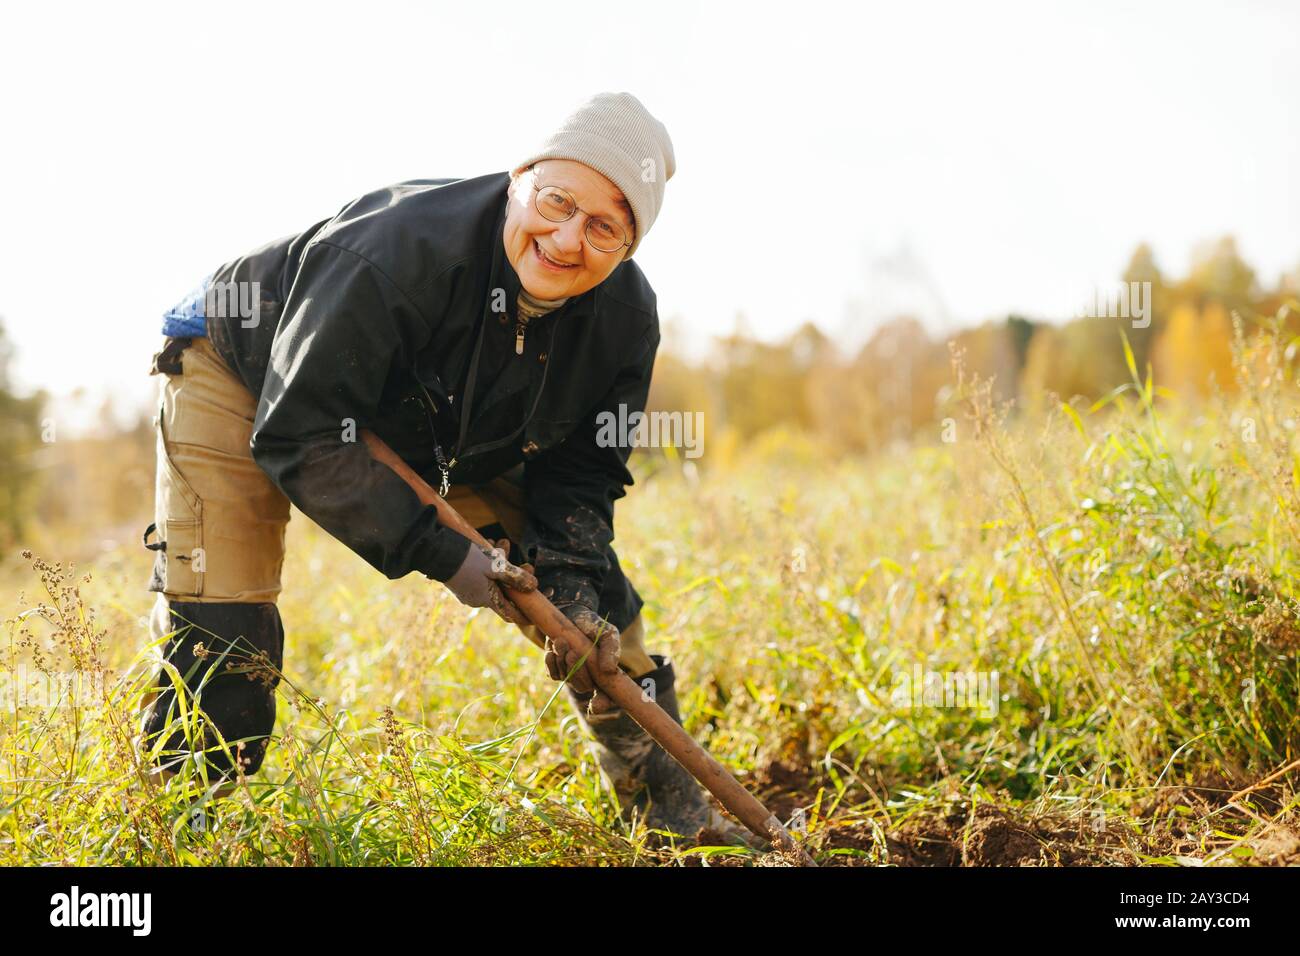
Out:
{"x": 1126, "y": 569}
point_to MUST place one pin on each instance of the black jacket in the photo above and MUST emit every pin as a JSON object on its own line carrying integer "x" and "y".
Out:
{"x": 370, "y": 319}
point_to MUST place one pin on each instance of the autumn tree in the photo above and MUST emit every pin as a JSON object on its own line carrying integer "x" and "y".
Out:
{"x": 19, "y": 437}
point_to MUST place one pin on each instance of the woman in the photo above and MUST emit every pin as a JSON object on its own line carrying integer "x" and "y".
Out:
{"x": 479, "y": 327}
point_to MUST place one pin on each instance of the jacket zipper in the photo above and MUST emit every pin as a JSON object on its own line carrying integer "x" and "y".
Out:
{"x": 521, "y": 326}
{"x": 430, "y": 407}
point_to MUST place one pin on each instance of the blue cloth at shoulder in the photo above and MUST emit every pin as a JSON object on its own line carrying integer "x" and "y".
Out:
{"x": 187, "y": 317}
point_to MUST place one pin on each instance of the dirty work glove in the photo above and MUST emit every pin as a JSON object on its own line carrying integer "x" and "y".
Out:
{"x": 478, "y": 580}
{"x": 561, "y": 659}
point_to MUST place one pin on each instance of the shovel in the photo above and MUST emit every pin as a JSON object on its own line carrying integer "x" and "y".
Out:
{"x": 620, "y": 687}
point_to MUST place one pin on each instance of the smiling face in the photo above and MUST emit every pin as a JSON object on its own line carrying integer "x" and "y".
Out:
{"x": 535, "y": 245}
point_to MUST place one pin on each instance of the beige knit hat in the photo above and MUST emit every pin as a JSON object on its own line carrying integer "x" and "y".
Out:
{"x": 616, "y": 136}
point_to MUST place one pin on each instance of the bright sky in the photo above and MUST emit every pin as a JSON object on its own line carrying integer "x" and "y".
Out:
{"x": 836, "y": 162}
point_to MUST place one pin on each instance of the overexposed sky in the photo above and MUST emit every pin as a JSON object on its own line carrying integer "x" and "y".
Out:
{"x": 836, "y": 162}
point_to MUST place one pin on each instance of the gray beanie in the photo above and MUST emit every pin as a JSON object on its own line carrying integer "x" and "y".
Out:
{"x": 616, "y": 136}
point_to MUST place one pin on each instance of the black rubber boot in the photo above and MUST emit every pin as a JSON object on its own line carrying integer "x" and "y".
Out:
{"x": 241, "y": 703}
{"x": 643, "y": 778}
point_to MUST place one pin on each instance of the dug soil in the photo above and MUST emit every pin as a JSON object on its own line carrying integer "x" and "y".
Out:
{"x": 1177, "y": 825}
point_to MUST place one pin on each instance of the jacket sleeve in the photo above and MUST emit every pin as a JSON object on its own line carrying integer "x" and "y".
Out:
{"x": 345, "y": 325}
{"x": 570, "y": 490}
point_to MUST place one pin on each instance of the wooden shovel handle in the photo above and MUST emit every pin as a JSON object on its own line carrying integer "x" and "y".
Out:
{"x": 620, "y": 687}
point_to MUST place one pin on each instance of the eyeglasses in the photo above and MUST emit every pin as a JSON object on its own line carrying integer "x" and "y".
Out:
{"x": 556, "y": 205}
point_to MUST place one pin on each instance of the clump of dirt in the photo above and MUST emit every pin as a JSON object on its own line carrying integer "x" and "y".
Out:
{"x": 995, "y": 838}
{"x": 710, "y": 837}
{"x": 1217, "y": 788}
{"x": 1210, "y": 789}
{"x": 1002, "y": 836}
{"x": 1004, "y": 833}
{"x": 1213, "y": 786}
{"x": 921, "y": 841}
{"x": 784, "y": 785}
{"x": 1277, "y": 847}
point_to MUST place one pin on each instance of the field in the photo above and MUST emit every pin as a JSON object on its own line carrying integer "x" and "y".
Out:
{"x": 1110, "y": 592}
